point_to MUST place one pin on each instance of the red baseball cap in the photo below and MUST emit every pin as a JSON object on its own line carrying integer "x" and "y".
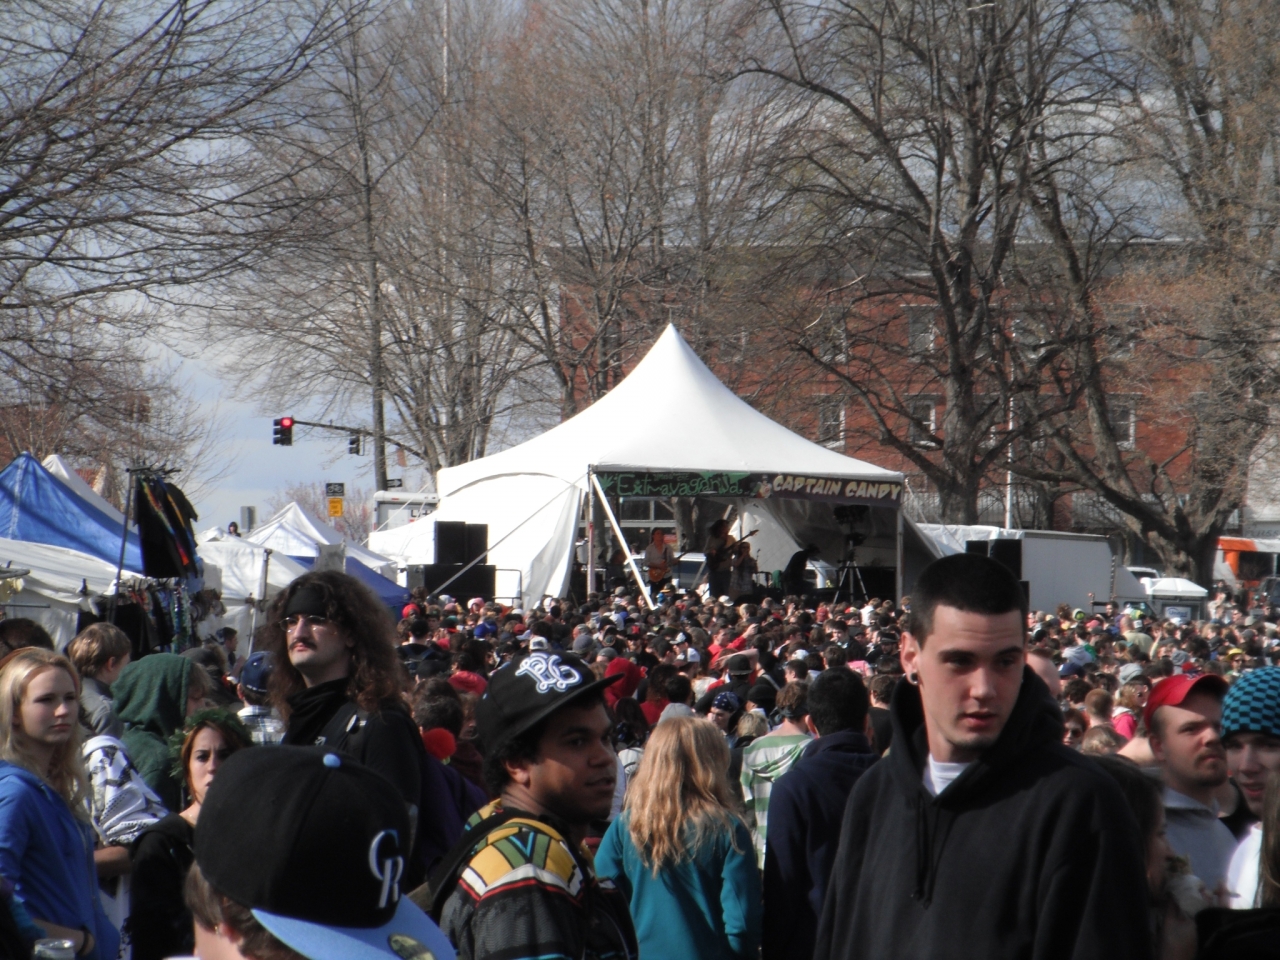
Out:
{"x": 1171, "y": 691}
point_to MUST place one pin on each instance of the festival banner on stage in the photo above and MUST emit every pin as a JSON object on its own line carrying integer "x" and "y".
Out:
{"x": 754, "y": 486}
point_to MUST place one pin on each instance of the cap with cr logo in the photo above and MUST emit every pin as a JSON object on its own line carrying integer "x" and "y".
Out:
{"x": 528, "y": 690}
{"x": 315, "y": 845}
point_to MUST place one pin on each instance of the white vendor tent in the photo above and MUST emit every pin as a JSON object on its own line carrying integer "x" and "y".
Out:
{"x": 295, "y": 532}
{"x": 60, "y": 584}
{"x": 633, "y": 443}
{"x": 234, "y": 566}
{"x": 67, "y": 474}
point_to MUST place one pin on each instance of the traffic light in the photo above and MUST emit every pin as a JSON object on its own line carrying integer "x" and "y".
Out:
{"x": 353, "y": 444}
{"x": 283, "y": 433}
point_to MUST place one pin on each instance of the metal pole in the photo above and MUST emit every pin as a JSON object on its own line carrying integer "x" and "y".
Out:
{"x": 1008, "y": 477}
{"x": 901, "y": 578}
{"x": 124, "y": 542}
{"x": 617, "y": 532}
{"x": 262, "y": 598}
{"x": 591, "y": 536}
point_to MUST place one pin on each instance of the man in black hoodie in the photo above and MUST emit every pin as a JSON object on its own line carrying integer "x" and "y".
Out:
{"x": 981, "y": 835}
{"x": 805, "y": 810}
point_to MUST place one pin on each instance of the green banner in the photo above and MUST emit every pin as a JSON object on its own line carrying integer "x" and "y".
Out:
{"x": 755, "y": 486}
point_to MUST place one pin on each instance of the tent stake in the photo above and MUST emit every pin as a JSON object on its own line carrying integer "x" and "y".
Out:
{"x": 626, "y": 549}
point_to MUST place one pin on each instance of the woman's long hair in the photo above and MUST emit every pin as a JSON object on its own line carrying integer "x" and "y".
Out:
{"x": 66, "y": 773}
{"x": 377, "y": 679}
{"x": 680, "y": 796}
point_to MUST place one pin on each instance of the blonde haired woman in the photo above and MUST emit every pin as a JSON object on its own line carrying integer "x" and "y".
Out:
{"x": 681, "y": 854}
{"x": 46, "y": 842}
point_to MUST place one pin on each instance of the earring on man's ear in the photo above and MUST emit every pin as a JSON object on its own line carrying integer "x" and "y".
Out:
{"x": 913, "y": 679}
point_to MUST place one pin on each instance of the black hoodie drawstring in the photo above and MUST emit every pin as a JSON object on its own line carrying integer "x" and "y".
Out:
{"x": 929, "y": 855}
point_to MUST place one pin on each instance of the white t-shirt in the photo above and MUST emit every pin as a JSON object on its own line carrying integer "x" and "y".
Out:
{"x": 938, "y": 775}
{"x": 1242, "y": 873}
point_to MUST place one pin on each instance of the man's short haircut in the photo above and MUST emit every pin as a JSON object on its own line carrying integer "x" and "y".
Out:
{"x": 838, "y": 701}
{"x": 679, "y": 689}
{"x": 21, "y": 632}
{"x": 97, "y": 645}
{"x": 835, "y": 656}
{"x": 968, "y": 582}
{"x": 882, "y": 687}
{"x": 212, "y": 910}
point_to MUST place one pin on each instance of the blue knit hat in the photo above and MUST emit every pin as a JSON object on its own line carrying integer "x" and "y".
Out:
{"x": 1253, "y": 703}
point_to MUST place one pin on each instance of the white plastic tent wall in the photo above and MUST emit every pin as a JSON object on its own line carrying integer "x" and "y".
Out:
{"x": 59, "y": 586}
{"x": 293, "y": 531}
{"x": 237, "y": 565}
{"x": 531, "y": 495}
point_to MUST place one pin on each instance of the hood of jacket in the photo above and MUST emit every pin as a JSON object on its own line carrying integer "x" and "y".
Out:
{"x": 771, "y": 757}
{"x": 1034, "y": 723}
{"x": 151, "y": 693}
{"x": 1036, "y": 720}
{"x": 842, "y": 741}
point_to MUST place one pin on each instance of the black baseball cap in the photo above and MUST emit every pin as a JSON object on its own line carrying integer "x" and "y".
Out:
{"x": 314, "y": 844}
{"x": 529, "y": 689}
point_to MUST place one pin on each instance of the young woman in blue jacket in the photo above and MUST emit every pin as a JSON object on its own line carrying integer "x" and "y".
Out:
{"x": 681, "y": 854}
{"x": 46, "y": 841}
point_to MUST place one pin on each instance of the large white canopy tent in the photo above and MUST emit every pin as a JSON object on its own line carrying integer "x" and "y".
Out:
{"x": 293, "y": 531}
{"x": 241, "y": 571}
{"x": 670, "y": 429}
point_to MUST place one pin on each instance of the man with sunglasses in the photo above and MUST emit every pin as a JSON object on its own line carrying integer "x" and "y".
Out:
{"x": 338, "y": 683}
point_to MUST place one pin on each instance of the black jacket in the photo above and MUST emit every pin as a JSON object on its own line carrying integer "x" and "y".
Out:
{"x": 159, "y": 921}
{"x": 1031, "y": 853}
{"x": 805, "y": 811}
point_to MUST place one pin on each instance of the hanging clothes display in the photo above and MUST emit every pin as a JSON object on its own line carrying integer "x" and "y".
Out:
{"x": 164, "y": 517}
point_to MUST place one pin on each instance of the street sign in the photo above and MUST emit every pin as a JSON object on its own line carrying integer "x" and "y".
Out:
{"x": 394, "y": 484}
{"x": 335, "y": 489}
{"x": 335, "y": 505}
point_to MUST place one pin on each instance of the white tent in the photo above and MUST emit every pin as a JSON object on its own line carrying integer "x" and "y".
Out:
{"x": 636, "y": 441}
{"x": 60, "y": 584}
{"x": 295, "y": 532}
{"x": 72, "y": 480}
{"x": 234, "y": 566}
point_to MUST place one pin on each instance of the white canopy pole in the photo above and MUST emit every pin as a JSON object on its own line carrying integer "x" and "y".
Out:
{"x": 617, "y": 530}
{"x": 591, "y": 536}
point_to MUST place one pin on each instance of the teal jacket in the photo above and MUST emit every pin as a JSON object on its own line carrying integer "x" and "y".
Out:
{"x": 707, "y": 906}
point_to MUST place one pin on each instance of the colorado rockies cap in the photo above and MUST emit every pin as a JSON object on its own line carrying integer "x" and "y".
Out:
{"x": 315, "y": 845}
{"x": 529, "y": 689}
{"x": 1253, "y": 703}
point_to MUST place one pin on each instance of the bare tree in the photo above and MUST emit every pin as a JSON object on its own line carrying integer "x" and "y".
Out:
{"x": 918, "y": 128}
{"x": 1190, "y": 333}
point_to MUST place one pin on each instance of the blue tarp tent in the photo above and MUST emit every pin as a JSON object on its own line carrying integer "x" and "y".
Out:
{"x": 36, "y": 507}
{"x": 390, "y": 592}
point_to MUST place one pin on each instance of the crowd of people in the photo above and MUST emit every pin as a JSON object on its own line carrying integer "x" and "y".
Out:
{"x": 949, "y": 775}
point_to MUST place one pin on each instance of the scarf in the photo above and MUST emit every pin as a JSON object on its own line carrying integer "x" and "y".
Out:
{"x": 311, "y": 709}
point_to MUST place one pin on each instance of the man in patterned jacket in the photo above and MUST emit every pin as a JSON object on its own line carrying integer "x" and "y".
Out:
{"x": 525, "y": 887}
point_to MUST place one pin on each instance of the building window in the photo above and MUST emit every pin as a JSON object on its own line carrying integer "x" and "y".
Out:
{"x": 923, "y": 426}
{"x": 1123, "y": 418}
{"x": 921, "y": 327}
{"x": 831, "y": 422}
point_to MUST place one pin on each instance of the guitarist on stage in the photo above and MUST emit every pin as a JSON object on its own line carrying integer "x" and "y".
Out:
{"x": 660, "y": 559}
{"x": 720, "y": 553}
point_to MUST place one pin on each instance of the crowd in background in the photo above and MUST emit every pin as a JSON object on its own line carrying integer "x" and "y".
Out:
{"x": 718, "y": 824}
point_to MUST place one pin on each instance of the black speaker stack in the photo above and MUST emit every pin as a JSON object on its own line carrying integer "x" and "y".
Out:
{"x": 458, "y": 544}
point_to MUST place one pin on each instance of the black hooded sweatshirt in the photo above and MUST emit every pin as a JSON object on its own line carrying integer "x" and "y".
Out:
{"x": 1031, "y": 853}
